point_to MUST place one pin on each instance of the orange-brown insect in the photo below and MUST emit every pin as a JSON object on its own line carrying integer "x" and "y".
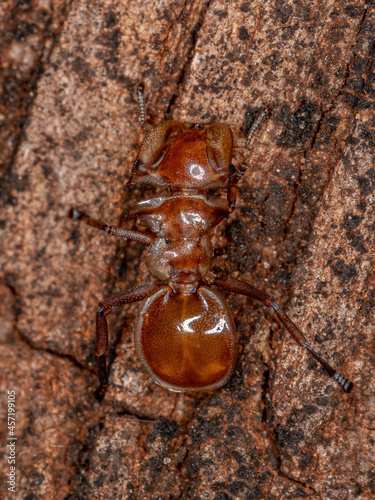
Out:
{"x": 185, "y": 335}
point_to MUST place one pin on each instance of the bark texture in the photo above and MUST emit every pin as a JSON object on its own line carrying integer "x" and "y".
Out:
{"x": 303, "y": 231}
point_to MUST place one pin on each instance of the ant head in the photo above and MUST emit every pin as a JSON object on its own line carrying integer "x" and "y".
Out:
{"x": 178, "y": 155}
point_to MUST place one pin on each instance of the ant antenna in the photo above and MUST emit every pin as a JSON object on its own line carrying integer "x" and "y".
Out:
{"x": 141, "y": 102}
{"x": 257, "y": 122}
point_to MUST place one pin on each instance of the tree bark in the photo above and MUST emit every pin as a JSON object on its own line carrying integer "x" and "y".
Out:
{"x": 302, "y": 231}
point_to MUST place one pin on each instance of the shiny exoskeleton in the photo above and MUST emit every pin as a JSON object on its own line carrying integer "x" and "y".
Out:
{"x": 185, "y": 335}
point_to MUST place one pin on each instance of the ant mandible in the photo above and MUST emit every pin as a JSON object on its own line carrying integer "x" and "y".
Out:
{"x": 185, "y": 335}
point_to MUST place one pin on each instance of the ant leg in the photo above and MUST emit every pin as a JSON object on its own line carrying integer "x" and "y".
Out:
{"x": 234, "y": 180}
{"x": 133, "y": 295}
{"x": 145, "y": 238}
{"x": 239, "y": 173}
{"x": 243, "y": 288}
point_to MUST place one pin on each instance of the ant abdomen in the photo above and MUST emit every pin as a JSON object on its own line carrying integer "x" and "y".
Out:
{"x": 186, "y": 341}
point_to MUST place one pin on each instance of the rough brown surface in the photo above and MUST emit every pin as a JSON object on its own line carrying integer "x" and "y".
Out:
{"x": 303, "y": 231}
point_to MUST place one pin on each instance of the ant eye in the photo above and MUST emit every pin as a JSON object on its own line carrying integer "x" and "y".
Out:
{"x": 197, "y": 125}
{"x": 138, "y": 164}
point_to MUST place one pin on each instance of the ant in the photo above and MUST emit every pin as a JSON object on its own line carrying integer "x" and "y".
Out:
{"x": 185, "y": 336}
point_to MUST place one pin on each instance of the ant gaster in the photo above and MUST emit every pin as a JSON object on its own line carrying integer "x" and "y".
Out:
{"x": 184, "y": 334}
